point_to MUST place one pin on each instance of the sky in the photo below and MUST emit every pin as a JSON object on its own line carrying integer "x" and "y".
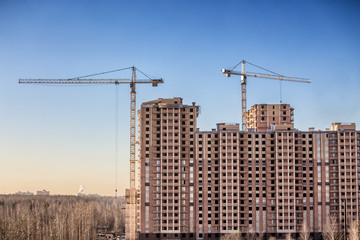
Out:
{"x": 60, "y": 137}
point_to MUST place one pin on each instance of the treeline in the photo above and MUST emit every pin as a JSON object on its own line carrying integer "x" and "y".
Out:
{"x": 59, "y": 217}
{"x": 332, "y": 231}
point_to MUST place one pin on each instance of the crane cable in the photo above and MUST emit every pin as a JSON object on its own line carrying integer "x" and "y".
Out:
{"x": 143, "y": 73}
{"x": 116, "y": 136}
{"x": 280, "y": 81}
{"x": 111, "y": 71}
{"x": 96, "y": 74}
{"x": 265, "y": 69}
{"x": 257, "y": 67}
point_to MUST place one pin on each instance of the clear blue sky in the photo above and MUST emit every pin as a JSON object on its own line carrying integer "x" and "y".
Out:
{"x": 61, "y": 137}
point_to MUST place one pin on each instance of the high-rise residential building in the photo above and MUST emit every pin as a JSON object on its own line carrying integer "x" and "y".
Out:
{"x": 167, "y": 183}
{"x": 270, "y": 180}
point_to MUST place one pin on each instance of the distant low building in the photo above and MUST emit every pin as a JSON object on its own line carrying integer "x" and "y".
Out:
{"x": 43, "y": 193}
{"x": 24, "y": 193}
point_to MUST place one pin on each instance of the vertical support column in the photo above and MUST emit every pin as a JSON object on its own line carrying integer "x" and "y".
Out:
{"x": 243, "y": 96}
{"x": 132, "y": 156}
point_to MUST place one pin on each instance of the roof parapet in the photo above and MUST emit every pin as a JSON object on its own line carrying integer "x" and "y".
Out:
{"x": 342, "y": 126}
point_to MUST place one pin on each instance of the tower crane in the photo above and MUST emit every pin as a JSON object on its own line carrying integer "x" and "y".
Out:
{"x": 244, "y": 75}
{"x": 132, "y": 82}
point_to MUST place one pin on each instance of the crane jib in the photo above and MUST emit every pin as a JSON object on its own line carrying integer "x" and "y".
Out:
{"x": 88, "y": 81}
{"x": 268, "y": 76}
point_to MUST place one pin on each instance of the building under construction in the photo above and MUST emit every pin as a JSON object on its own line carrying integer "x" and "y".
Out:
{"x": 270, "y": 179}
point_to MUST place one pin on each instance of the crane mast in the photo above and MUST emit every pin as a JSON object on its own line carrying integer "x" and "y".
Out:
{"x": 243, "y": 95}
{"x": 132, "y": 156}
{"x": 132, "y": 82}
{"x": 244, "y": 76}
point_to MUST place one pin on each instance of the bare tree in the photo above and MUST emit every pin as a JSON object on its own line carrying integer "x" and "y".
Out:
{"x": 231, "y": 236}
{"x": 260, "y": 236}
{"x": 332, "y": 230}
{"x": 254, "y": 236}
{"x": 250, "y": 236}
{"x": 354, "y": 231}
{"x": 288, "y": 236}
{"x": 59, "y": 217}
{"x": 305, "y": 233}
